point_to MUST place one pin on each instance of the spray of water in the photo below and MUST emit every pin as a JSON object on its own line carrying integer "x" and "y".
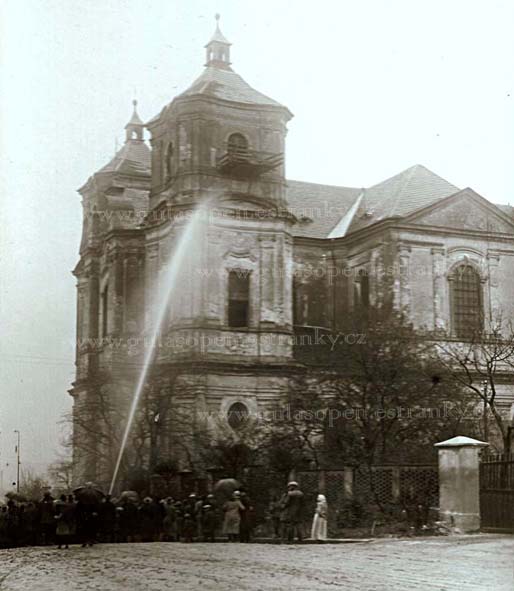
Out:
{"x": 190, "y": 236}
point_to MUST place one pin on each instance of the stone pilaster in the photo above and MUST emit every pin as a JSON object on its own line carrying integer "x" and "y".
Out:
{"x": 401, "y": 287}
{"x": 287, "y": 281}
{"x": 118, "y": 264}
{"x": 439, "y": 291}
{"x": 493, "y": 262}
{"x": 82, "y": 314}
{"x": 267, "y": 269}
{"x": 151, "y": 281}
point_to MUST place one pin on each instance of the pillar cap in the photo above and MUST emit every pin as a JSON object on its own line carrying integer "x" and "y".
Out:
{"x": 461, "y": 441}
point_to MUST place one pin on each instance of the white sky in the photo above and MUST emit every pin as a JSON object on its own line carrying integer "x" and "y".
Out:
{"x": 375, "y": 86}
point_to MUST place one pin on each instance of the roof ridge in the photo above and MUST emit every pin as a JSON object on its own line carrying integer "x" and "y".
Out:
{"x": 345, "y": 221}
{"x": 401, "y": 173}
{"x": 324, "y": 185}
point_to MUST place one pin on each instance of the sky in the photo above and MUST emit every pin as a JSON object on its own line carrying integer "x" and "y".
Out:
{"x": 375, "y": 86}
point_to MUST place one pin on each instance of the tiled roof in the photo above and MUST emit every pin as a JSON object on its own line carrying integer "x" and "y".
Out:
{"x": 401, "y": 195}
{"x": 338, "y": 211}
{"x": 133, "y": 158}
{"x": 225, "y": 84}
{"x": 318, "y": 207}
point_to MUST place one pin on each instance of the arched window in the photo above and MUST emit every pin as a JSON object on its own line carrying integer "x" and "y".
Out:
{"x": 237, "y": 415}
{"x": 466, "y": 301}
{"x": 237, "y": 144}
{"x": 169, "y": 160}
{"x": 238, "y": 298}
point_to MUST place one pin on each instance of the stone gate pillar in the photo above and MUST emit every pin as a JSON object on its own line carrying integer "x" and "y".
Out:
{"x": 459, "y": 488}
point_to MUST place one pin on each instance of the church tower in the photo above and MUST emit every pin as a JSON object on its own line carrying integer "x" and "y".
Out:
{"x": 225, "y": 341}
{"x": 109, "y": 300}
{"x": 230, "y": 324}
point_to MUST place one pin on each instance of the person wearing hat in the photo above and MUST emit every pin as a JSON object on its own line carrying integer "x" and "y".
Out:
{"x": 246, "y": 523}
{"x": 198, "y": 514}
{"x": 146, "y": 520}
{"x": 232, "y": 518}
{"x": 294, "y": 511}
{"x": 188, "y": 527}
{"x": 208, "y": 523}
{"x": 168, "y": 523}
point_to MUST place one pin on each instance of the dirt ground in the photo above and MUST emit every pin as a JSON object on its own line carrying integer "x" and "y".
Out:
{"x": 473, "y": 563}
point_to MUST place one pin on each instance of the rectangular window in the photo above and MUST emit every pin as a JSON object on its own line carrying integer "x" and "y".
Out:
{"x": 238, "y": 298}
{"x": 105, "y": 307}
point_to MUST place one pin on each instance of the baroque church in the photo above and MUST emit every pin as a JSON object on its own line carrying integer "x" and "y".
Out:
{"x": 280, "y": 258}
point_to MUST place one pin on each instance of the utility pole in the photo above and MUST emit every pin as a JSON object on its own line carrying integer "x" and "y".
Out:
{"x": 17, "y": 462}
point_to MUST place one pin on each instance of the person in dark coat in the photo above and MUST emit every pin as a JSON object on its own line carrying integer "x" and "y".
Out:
{"x": 188, "y": 527}
{"x": 46, "y": 519}
{"x": 274, "y": 511}
{"x": 169, "y": 521}
{"x": 294, "y": 511}
{"x": 158, "y": 515}
{"x": 282, "y": 512}
{"x": 147, "y": 520}
{"x": 179, "y": 520}
{"x": 189, "y": 504}
{"x": 4, "y": 540}
{"x": 30, "y": 528}
{"x": 107, "y": 519}
{"x": 127, "y": 520}
{"x": 246, "y": 523}
{"x": 87, "y": 522}
{"x": 208, "y": 523}
{"x": 11, "y": 524}
{"x": 198, "y": 514}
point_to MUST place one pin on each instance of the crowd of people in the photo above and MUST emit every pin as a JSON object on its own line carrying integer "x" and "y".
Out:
{"x": 87, "y": 519}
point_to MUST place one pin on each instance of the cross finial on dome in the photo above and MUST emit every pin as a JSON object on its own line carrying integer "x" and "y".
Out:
{"x": 135, "y": 126}
{"x": 218, "y": 48}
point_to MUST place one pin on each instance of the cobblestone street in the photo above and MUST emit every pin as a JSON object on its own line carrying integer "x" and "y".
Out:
{"x": 473, "y": 563}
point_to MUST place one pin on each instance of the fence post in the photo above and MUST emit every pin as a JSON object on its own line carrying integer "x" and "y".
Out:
{"x": 459, "y": 487}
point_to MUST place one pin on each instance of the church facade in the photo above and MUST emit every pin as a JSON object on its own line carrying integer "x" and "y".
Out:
{"x": 278, "y": 257}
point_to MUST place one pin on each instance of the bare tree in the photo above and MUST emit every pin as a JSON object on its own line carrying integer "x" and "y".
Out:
{"x": 481, "y": 365}
{"x": 95, "y": 436}
{"x": 60, "y": 474}
{"x": 382, "y": 396}
{"x": 33, "y": 485}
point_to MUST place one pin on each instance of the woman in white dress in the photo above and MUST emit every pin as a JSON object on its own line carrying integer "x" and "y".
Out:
{"x": 319, "y": 523}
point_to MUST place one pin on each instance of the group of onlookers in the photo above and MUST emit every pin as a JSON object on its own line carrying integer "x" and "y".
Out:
{"x": 44, "y": 522}
{"x": 71, "y": 520}
{"x": 288, "y": 515}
